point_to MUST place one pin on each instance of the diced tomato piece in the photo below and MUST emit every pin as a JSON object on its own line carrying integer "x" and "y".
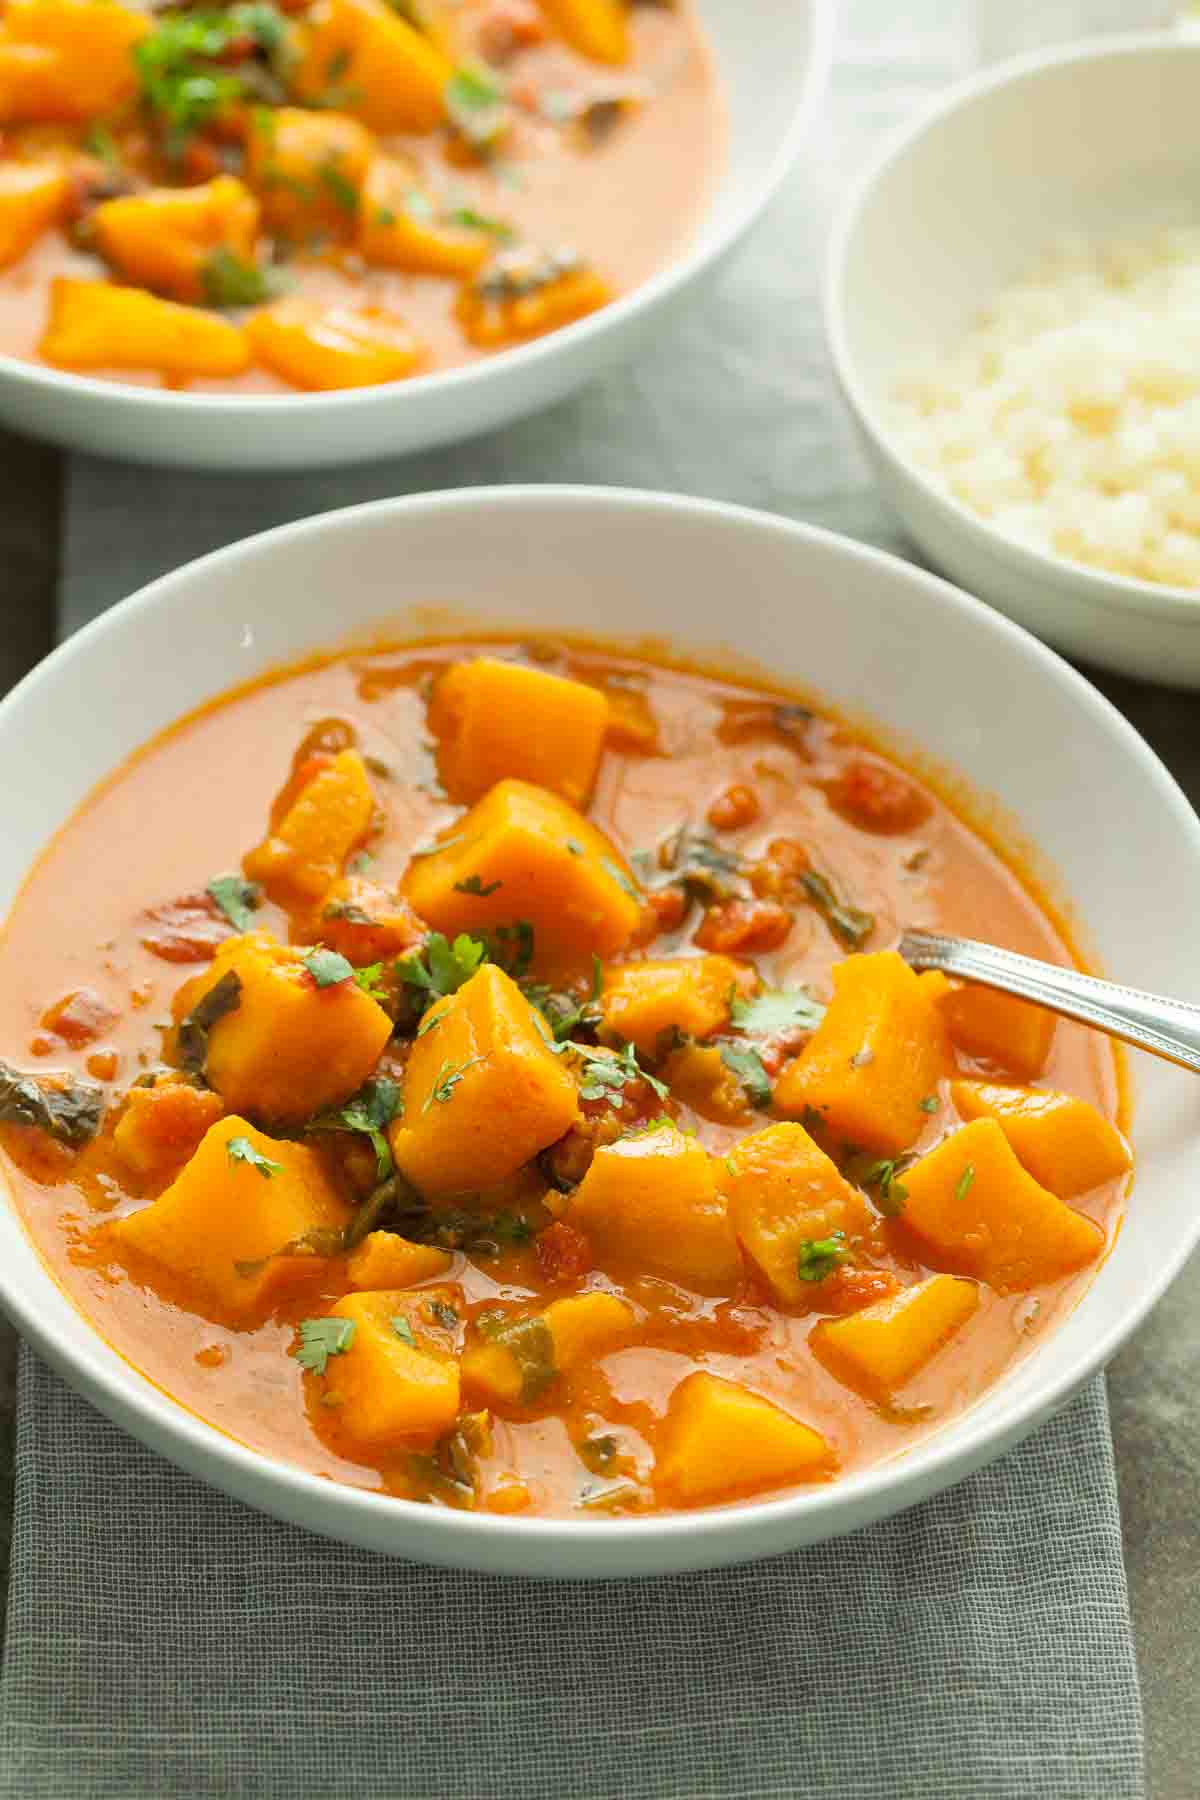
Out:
{"x": 663, "y": 910}
{"x": 778, "y": 875}
{"x": 745, "y": 926}
{"x": 187, "y": 930}
{"x": 79, "y": 1018}
{"x": 737, "y": 806}
{"x": 848, "y": 1290}
{"x": 563, "y": 1253}
{"x": 875, "y": 798}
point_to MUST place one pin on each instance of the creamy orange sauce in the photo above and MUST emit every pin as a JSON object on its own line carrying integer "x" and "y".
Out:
{"x": 199, "y": 796}
{"x": 628, "y": 204}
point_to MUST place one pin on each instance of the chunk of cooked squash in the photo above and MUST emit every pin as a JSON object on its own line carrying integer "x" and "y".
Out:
{"x": 161, "y": 1126}
{"x": 67, "y": 60}
{"x": 483, "y": 1092}
{"x": 720, "y": 1440}
{"x": 698, "y": 1076}
{"x": 308, "y": 170}
{"x": 364, "y": 921}
{"x": 971, "y": 1208}
{"x": 324, "y": 347}
{"x": 598, "y": 29}
{"x": 878, "y": 1052}
{"x": 166, "y": 238}
{"x": 524, "y": 293}
{"x": 389, "y": 73}
{"x": 494, "y": 719}
{"x": 97, "y": 325}
{"x": 287, "y": 1048}
{"x": 876, "y": 1351}
{"x": 523, "y": 853}
{"x": 1067, "y": 1145}
{"x": 399, "y": 227}
{"x": 517, "y": 1363}
{"x": 330, "y": 816}
{"x": 642, "y": 1000}
{"x": 33, "y": 196}
{"x": 998, "y": 1029}
{"x": 650, "y": 1202}
{"x": 222, "y": 1224}
{"x": 398, "y": 1376}
{"x": 785, "y": 1195}
{"x": 384, "y": 1259}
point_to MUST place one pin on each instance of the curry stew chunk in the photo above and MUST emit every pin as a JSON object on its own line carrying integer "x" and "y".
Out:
{"x": 341, "y": 193}
{"x": 477, "y": 1102}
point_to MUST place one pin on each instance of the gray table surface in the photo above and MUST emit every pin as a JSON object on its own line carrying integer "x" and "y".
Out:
{"x": 1153, "y": 1383}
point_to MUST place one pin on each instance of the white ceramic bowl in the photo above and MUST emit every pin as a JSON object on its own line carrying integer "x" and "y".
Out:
{"x": 866, "y": 630}
{"x": 1101, "y": 138}
{"x": 772, "y": 59}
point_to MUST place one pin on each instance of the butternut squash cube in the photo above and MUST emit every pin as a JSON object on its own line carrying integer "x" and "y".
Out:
{"x": 641, "y": 1000}
{"x": 698, "y": 1076}
{"x": 876, "y": 1351}
{"x": 390, "y": 1384}
{"x": 33, "y": 197}
{"x": 364, "y": 921}
{"x": 523, "y": 853}
{"x": 164, "y": 239}
{"x": 224, "y": 1220}
{"x": 328, "y": 819}
{"x": 308, "y": 169}
{"x": 598, "y": 29}
{"x": 483, "y": 1092}
{"x": 288, "y": 1048}
{"x": 389, "y": 74}
{"x": 1065, "y": 1144}
{"x": 650, "y": 1202}
{"x": 998, "y": 1029}
{"x": 322, "y": 347}
{"x": 520, "y": 295}
{"x": 67, "y": 59}
{"x": 784, "y": 1193}
{"x": 96, "y": 325}
{"x": 973, "y": 1209}
{"x": 720, "y": 1440}
{"x": 517, "y": 1364}
{"x": 878, "y": 1052}
{"x": 494, "y": 719}
{"x": 399, "y": 227}
{"x": 384, "y": 1259}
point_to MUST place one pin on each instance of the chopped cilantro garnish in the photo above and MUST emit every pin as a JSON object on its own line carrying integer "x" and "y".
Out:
{"x": 404, "y": 1331}
{"x": 443, "y": 1314}
{"x": 884, "y": 1175}
{"x": 228, "y": 280}
{"x": 473, "y": 885}
{"x": 328, "y": 967}
{"x": 342, "y": 191}
{"x": 237, "y": 899}
{"x": 441, "y": 968}
{"x": 446, "y": 1080}
{"x": 474, "y": 101}
{"x": 471, "y": 220}
{"x": 777, "y": 1013}
{"x": 604, "y": 1077}
{"x": 320, "y": 1339}
{"x": 849, "y": 924}
{"x": 965, "y": 1182}
{"x": 240, "y": 1149}
{"x": 747, "y": 1065}
{"x": 369, "y": 980}
{"x": 819, "y": 1257}
{"x": 370, "y": 1111}
{"x": 620, "y": 877}
{"x": 930, "y": 1103}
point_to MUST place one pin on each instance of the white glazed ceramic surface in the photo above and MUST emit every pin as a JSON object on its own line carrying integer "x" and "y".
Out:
{"x": 1100, "y": 138}
{"x": 772, "y": 59}
{"x": 878, "y": 636}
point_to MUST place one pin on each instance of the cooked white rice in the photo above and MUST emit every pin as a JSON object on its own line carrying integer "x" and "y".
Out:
{"x": 1070, "y": 416}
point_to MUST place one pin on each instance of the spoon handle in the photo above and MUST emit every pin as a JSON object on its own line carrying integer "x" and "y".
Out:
{"x": 1169, "y": 1028}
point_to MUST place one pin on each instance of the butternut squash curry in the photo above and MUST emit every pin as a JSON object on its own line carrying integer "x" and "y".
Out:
{"x": 279, "y": 194}
{"x": 523, "y": 1108}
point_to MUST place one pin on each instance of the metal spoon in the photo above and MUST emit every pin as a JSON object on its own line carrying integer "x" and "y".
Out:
{"x": 1169, "y": 1028}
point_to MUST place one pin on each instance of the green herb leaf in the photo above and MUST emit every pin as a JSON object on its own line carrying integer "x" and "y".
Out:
{"x": 446, "y": 1080}
{"x": 598, "y": 1454}
{"x": 471, "y": 220}
{"x": 370, "y": 979}
{"x": 965, "y": 1182}
{"x": 370, "y": 1111}
{"x": 441, "y": 968}
{"x": 777, "y": 1013}
{"x": 620, "y": 877}
{"x": 747, "y": 1065}
{"x": 65, "y": 1107}
{"x": 404, "y": 1330}
{"x": 575, "y": 849}
{"x": 320, "y": 1339}
{"x": 475, "y": 104}
{"x": 473, "y": 885}
{"x": 443, "y": 1314}
{"x": 892, "y": 1194}
{"x": 240, "y": 1149}
{"x": 819, "y": 1257}
{"x": 930, "y": 1104}
{"x": 328, "y": 968}
{"x": 237, "y": 898}
{"x": 849, "y": 924}
{"x": 607, "y": 1076}
{"x": 511, "y": 948}
{"x": 228, "y": 280}
{"x": 343, "y": 191}
{"x": 225, "y": 996}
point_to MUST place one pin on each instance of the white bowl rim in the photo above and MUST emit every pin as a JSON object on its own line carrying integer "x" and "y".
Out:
{"x": 660, "y": 287}
{"x": 1119, "y": 593}
{"x": 150, "y": 1413}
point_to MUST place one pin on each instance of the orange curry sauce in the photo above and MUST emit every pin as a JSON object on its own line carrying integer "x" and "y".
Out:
{"x": 684, "y": 749}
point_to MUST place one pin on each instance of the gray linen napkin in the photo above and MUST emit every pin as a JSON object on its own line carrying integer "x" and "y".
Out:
{"x": 165, "y": 1640}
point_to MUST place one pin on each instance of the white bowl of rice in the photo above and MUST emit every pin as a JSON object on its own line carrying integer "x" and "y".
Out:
{"x": 1013, "y": 306}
